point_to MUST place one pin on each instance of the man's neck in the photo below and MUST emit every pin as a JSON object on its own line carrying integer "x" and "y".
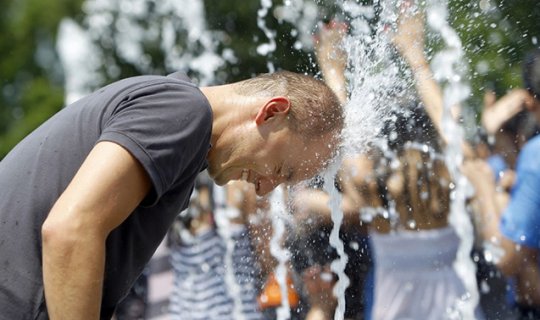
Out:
{"x": 229, "y": 108}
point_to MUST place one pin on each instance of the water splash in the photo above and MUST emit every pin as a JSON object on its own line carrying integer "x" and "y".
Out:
{"x": 279, "y": 215}
{"x": 448, "y": 68}
{"x": 374, "y": 81}
{"x": 373, "y": 84}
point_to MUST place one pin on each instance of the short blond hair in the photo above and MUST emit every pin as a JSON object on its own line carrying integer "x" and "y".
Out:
{"x": 315, "y": 109}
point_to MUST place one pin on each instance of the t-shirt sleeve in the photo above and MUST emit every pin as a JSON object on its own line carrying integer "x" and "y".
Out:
{"x": 166, "y": 126}
{"x": 521, "y": 219}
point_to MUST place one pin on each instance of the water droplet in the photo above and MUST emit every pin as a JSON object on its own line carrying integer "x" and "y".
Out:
{"x": 354, "y": 245}
{"x": 484, "y": 287}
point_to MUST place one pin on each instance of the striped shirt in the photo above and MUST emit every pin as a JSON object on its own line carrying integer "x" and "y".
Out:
{"x": 200, "y": 291}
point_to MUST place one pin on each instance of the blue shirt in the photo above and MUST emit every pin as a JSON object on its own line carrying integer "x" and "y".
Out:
{"x": 521, "y": 219}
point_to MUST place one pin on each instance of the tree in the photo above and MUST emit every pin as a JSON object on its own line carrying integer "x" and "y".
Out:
{"x": 30, "y": 72}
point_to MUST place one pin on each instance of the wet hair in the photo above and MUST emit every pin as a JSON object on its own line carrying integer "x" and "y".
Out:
{"x": 315, "y": 109}
{"x": 412, "y": 139}
{"x": 531, "y": 73}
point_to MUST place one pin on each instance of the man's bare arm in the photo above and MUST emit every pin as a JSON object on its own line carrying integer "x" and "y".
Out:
{"x": 106, "y": 189}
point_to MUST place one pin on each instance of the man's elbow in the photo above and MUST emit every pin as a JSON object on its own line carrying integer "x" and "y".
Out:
{"x": 57, "y": 235}
{"x": 64, "y": 230}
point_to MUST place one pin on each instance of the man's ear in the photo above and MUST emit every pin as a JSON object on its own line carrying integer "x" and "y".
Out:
{"x": 277, "y": 106}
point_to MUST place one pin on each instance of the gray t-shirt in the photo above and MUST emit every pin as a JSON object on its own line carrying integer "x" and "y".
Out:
{"x": 165, "y": 122}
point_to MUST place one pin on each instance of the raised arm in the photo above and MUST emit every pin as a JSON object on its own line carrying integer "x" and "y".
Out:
{"x": 495, "y": 114}
{"x": 409, "y": 41}
{"x": 106, "y": 189}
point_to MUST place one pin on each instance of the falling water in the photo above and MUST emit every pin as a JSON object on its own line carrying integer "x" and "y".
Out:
{"x": 338, "y": 265}
{"x": 303, "y": 15}
{"x": 448, "y": 69}
{"x": 278, "y": 212}
{"x": 372, "y": 80}
{"x": 266, "y": 49}
{"x": 373, "y": 76}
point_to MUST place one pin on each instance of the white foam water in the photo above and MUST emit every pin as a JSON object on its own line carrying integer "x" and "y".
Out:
{"x": 373, "y": 80}
{"x": 448, "y": 68}
{"x": 266, "y": 49}
{"x": 338, "y": 265}
{"x": 279, "y": 216}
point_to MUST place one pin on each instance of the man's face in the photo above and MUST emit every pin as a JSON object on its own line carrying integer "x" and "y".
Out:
{"x": 284, "y": 157}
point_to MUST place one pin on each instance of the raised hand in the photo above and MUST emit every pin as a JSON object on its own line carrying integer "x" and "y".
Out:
{"x": 495, "y": 114}
{"x": 332, "y": 58}
{"x": 409, "y": 36}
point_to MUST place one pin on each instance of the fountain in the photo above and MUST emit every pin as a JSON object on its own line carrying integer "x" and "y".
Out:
{"x": 374, "y": 80}
{"x": 279, "y": 216}
{"x": 448, "y": 69}
{"x": 338, "y": 265}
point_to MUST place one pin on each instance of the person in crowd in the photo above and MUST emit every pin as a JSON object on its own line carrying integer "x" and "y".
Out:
{"x": 213, "y": 279}
{"x": 88, "y": 196}
{"x": 508, "y": 125}
{"x": 511, "y": 230}
{"x": 402, "y": 188}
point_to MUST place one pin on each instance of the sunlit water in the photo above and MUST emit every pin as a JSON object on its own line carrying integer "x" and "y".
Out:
{"x": 338, "y": 265}
{"x": 280, "y": 217}
{"x": 373, "y": 81}
{"x": 447, "y": 66}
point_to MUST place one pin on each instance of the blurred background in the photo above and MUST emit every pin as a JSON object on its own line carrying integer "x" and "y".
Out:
{"x": 53, "y": 51}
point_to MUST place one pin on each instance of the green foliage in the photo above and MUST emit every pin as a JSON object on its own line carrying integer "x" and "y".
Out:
{"x": 41, "y": 100}
{"x": 238, "y": 19}
{"x": 496, "y": 36}
{"x": 30, "y": 77}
